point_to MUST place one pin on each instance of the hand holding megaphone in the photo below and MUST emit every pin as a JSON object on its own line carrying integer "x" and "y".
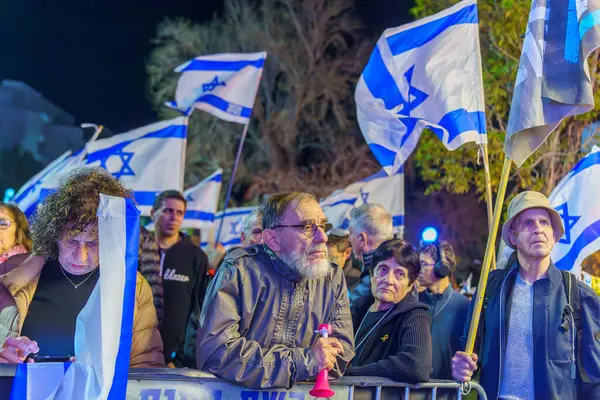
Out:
{"x": 326, "y": 350}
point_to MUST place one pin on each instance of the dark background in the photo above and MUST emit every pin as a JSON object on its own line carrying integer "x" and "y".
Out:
{"x": 88, "y": 56}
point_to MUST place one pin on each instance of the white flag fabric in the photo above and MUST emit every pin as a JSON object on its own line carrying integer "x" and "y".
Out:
{"x": 28, "y": 195}
{"x": 426, "y": 74}
{"x": 223, "y": 85}
{"x": 231, "y": 232}
{"x": 576, "y": 201}
{"x": 387, "y": 191}
{"x": 104, "y": 326}
{"x": 202, "y": 201}
{"x": 147, "y": 160}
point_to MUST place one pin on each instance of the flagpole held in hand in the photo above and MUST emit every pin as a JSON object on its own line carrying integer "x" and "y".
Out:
{"x": 487, "y": 260}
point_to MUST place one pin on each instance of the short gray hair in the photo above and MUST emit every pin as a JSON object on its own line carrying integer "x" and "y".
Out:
{"x": 251, "y": 219}
{"x": 273, "y": 210}
{"x": 374, "y": 220}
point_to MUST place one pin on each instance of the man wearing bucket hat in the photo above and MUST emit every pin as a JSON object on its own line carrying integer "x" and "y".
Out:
{"x": 539, "y": 335}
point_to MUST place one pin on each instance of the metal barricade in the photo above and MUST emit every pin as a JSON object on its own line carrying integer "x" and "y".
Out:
{"x": 185, "y": 384}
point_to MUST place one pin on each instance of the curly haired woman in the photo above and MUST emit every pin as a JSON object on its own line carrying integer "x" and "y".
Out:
{"x": 41, "y": 297}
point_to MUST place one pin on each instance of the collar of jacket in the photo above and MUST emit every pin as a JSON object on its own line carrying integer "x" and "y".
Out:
{"x": 25, "y": 274}
{"x": 282, "y": 268}
{"x": 429, "y": 297}
{"x": 367, "y": 261}
{"x": 545, "y": 285}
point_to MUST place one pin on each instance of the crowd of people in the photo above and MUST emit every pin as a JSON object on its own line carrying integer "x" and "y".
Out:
{"x": 392, "y": 307}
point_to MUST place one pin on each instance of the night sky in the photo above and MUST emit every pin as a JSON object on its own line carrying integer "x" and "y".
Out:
{"x": 87, "y": 56}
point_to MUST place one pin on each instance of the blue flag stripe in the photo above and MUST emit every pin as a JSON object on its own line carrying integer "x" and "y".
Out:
{"x": 384, "y": 155}
{"x": 459, "y": 121}
{"x": 169, "y": 132}
{"x": 588, "y": 22}
{"x": 380, "y": 82}
{"x": 199, "y": 215}
{"x": 589, "y": 161}
{"x": 223, "y": 105}
{"x": 216, "y": 178}
{"x": 234, "y": 213}
{"x": 418, "y": 36}
{"x": 589, "y": 234}
{"x": 232, "y": 242}
{"x": 398, "y": 220}
{"x": 213, "y": 65}
{"x": 132, "y": 233}
{"x": 337, "y": 203}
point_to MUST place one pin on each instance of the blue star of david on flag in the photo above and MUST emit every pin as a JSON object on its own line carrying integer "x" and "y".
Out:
{"x": 236, "y": 227}
{"x": 364, "y": 196}
{"x": 212, "y": 85}
{"x": 569, "y": 222}
{"x": 125, "y": 157}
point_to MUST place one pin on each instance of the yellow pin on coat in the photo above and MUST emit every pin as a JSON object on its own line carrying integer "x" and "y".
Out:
{"x": 385, "y": 337}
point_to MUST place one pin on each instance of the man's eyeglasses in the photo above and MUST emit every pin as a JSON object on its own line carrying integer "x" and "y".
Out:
{"x": 5, "y": 223}
{"x": 308, "y": 230}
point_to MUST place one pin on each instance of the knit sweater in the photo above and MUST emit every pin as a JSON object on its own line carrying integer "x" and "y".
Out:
{"x": 399, "y": 347}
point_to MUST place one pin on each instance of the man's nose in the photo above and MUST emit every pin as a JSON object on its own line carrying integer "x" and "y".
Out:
{"x": 320, "y": 235}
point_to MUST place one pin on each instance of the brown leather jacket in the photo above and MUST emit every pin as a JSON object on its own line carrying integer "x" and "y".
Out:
{"x": 19, "y": 277}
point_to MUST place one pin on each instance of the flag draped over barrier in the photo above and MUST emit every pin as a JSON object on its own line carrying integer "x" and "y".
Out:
{"x": 104, "y": 326}
{"x": 426, "y": 74}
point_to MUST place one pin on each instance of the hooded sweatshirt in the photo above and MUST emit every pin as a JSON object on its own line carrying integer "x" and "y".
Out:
{"x": 394, "y": 344}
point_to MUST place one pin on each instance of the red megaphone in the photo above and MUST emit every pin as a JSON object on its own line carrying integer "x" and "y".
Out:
{"x": 321, "y": 388}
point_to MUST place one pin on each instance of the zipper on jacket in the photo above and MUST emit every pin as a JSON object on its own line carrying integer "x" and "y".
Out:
{"x": 501, "y": 344}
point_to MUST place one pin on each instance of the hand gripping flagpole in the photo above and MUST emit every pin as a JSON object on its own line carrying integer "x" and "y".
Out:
{"x": 487, "y": 259}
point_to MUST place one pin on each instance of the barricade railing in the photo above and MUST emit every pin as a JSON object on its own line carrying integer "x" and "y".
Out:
{"x": 188, "y": 384}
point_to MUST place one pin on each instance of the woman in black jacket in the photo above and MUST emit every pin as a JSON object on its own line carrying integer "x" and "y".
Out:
{"x": 393, "y": 339}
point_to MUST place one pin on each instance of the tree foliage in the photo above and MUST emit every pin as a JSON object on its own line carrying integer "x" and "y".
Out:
{"x": 303, "y": 134}
{"x": 501, "y": 25}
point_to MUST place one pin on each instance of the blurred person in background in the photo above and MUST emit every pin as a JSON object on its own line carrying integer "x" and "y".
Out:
{"x": 448, "y": 308}
{"x": 15, "y": 237}
{"x": 252, "y": 232}
{"x": 370, "y": 225}
{"x": 338, "y": 244}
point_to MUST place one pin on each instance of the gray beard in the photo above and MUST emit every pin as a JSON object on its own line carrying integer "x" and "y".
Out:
{"x": 309, "y": 270}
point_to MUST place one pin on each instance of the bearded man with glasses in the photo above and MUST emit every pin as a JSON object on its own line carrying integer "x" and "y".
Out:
{"x": 260, "y": 314}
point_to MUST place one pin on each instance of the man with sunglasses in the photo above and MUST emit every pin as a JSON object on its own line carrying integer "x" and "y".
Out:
{"x": 262, "y": 309}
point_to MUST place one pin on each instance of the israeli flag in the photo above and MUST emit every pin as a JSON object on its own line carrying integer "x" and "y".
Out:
{"x": 575, "y": 200}
{"x": 387, "y": 191}
{"x": 223, "y": 85}
{"x": 147, "y": 160}
{"x": 233, "y": 225}
{"x": 426, "y": 74}
{"x": 202, "y": 201}
{"x": 104, "y": 326}
{"x": 28, "y": 195}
